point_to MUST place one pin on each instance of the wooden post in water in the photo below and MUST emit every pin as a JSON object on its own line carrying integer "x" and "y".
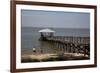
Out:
{"x": 84, "y": 51}
{"x": 66, "y": 47}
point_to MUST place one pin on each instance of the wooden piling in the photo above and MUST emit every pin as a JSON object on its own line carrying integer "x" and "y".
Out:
{"x": 69, "y": 43}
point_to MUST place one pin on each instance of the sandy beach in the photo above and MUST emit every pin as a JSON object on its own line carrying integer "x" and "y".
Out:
{"x": 52, "y": 57}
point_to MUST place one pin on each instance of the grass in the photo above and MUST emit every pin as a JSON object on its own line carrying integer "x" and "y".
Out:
{"x": 29, "y": 60}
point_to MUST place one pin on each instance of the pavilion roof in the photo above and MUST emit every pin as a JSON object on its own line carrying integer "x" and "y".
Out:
{"x": 47, "y": 30}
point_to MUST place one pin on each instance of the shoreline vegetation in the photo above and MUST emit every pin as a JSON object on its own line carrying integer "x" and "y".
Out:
{"x": 52, "y": 57}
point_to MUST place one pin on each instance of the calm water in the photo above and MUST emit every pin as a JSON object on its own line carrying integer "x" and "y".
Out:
{"x": 30, "y": 38}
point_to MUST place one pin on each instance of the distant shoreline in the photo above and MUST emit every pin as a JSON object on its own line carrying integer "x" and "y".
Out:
{"x": 52, "y": 27}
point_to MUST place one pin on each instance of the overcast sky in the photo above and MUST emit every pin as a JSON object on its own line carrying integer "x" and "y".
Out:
{"x": 36, "y": 18}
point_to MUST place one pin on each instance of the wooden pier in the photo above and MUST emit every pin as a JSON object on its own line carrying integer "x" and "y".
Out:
{"x": 70, "y": 44}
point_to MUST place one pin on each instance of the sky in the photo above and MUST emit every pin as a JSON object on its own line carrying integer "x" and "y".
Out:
{"x": 54, "y": 19}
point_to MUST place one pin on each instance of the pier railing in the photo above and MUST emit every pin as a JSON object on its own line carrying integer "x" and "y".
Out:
{"x": 71, "y": 44}
{"x": 70, "y": 39}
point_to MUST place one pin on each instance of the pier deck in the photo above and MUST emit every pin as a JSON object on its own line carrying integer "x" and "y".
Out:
{"x": 71, "y": 44}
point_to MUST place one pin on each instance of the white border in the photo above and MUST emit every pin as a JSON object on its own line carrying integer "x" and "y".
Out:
{"x": 51, "y": 64}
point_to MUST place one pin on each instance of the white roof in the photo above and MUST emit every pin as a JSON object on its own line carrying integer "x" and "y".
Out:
{"x": 46, "y": 30}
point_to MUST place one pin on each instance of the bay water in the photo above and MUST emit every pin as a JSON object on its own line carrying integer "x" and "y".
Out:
{"x": 30, "y": 38}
